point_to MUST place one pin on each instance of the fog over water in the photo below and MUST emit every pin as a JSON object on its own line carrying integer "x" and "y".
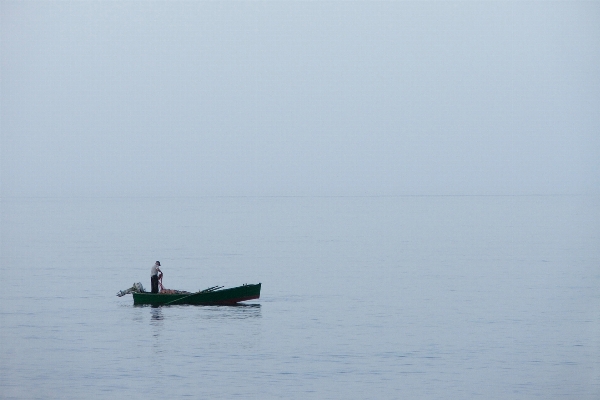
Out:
{"x": 415, "y": 184}
{"x": 299, "y": 98}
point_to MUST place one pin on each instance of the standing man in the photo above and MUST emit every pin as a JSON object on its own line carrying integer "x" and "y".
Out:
{"x": 154, "y": 276}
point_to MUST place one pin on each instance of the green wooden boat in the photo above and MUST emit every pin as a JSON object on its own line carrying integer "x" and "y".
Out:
{"x": 205, "y": 297}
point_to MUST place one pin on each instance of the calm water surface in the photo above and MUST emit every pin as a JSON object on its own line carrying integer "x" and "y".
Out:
{"x": 374, "y": 297}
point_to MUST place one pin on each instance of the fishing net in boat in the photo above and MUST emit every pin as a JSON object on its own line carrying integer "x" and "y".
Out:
{"x": 173, "y": 291}
{"x": 162, "y": 289}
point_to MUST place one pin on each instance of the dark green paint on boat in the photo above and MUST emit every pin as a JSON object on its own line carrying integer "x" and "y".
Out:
{"x": 217, "y": 297}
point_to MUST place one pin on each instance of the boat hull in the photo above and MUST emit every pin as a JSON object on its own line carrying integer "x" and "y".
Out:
{"x": 217, "y": 297}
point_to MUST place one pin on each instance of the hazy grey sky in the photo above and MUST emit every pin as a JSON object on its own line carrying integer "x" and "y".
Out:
{"x": 299, "y": 98}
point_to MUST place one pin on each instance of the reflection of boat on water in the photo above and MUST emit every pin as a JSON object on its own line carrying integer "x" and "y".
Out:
{"x": 212, "y": 296}
{"x": 157, "y": 315}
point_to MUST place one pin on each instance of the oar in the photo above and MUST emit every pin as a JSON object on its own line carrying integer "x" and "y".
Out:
{"x": 193, "y": 294}
{"x": 212, "y": 289}
{"x": 181, "y": 298}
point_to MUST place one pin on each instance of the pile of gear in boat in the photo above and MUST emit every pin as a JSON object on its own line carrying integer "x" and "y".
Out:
{"x": 139, "y": 288}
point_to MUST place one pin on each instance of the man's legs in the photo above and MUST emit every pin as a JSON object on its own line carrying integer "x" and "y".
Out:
{"x": 154, "y": 283}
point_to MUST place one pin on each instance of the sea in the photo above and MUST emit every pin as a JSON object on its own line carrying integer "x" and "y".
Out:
{"x": 408, "y": 297}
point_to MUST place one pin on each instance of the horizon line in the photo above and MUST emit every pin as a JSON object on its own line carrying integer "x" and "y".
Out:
{"x": 2, "y": 197}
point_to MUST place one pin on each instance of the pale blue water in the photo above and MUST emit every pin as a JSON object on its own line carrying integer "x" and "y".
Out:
{"x": 363, "y": 298}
